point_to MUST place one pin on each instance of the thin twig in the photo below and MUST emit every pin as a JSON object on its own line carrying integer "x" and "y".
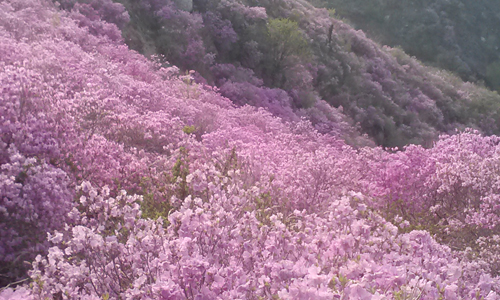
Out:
{"x": 13, "y": 283}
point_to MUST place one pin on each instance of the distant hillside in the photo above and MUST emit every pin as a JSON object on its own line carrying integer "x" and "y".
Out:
{"x": 294, "y": 60}
{"x": 458, "y": 35}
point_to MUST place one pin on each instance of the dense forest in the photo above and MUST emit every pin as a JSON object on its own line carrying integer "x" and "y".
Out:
{"x": 249, "y": 149}
{"x": 460, "y": 36}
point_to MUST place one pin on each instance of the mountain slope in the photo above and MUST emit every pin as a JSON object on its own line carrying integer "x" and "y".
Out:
{"x": 122, "y": 179}
{"x": 460, "y": 36}
{"x": 381, "y": 91}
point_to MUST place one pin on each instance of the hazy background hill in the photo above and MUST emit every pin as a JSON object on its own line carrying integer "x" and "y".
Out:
{"x": 457, "y": 35}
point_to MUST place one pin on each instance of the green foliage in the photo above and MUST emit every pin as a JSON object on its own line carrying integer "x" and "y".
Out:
{"x": 153, "y": 207}
{"x": 460, "y": 36}
{"x": 338, "y": 280}
{"x": 263, "y": 205}
{"x": 191, "y": 90}
{"x": 493, "y": 75}
{"x": 180, "y": 171}
{"x": 285, "y": 40}
{"x": 332, "y": 12}
{"x": 181, "y": 166}
{"x": 406, "y": 293}
{"x": 189, "y": 129}
{"x": 157, "y": 192}
{"x": 333, "y": 284}
{"x": 484, "y": 109}
{"x": 186, "y": 5}
{"x": 230, "y": 163}
{"x": 307, "y": 99}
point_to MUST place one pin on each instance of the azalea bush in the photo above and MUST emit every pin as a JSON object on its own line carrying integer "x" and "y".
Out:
{"x": 122, "y": 177}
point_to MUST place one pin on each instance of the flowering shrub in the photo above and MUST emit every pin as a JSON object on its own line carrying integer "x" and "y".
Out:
{"x": 233, "y": 247}
{"x": 450, "y": 190}
{"x": 121, "y": 179}
{"x": 35, "y": 199}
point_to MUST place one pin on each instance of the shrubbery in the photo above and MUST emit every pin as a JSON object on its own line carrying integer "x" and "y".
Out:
{"x": 311, "y": 56}
{"x": 121, "y": 178}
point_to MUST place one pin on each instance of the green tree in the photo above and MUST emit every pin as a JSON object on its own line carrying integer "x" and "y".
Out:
{"x": 285, "y": 41}
{"x": 493, "y": 75}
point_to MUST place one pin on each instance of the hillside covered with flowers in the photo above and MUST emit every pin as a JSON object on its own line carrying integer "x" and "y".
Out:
{"x": 302, "y": 62}
{"x": 123, "y": 177}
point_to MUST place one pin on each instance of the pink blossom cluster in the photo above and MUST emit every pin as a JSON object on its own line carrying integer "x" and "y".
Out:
{"x": 453, "y": 186}
{"x": 232, "y": 247}
{"x": 120, "y": 179}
